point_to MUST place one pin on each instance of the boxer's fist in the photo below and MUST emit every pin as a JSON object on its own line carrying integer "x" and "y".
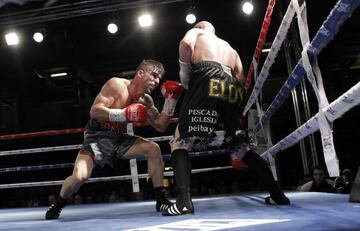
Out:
{"x": 171, "y": 89}
{"x": 146, "y": 100}
{"x": 136, "y": 113}
{"x": 237, "y": 164}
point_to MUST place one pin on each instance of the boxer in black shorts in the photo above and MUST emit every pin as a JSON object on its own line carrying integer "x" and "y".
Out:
{"x": 105, "y": 146}
{"x": 119, "y": 102}
{"x": 213, "y": 99}
{"x": 212, "y": 73}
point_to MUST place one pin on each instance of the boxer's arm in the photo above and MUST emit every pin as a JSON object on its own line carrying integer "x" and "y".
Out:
{"x": 186, "y": 49}
{"x": 238, "y": 70}
{"x": 186, "y": 46}
{"x": 172, "y": 91}
{"x": 159, "y": 121}
{"x": 100, "y": 108}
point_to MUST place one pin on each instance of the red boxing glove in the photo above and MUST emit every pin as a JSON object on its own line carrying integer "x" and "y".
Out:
{"x": 136, "y": 113}
{"x": 171, "y": 89}
{"x": 237, "y": 164}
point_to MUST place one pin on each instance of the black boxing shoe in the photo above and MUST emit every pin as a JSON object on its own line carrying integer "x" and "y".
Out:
{"x": 279, "y": 201}
{"x": 163, "y": 205}
{"x": 176, "y": 210}
{"x": 55, "y": 209}
{"x": 182, "y": 206}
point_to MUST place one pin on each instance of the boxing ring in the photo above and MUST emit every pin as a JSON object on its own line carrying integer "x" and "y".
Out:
{"x": 309, "y": 211}
{"x": 241, "y": 211}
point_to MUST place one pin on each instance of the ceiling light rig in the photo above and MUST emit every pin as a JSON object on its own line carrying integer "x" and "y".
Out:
{"x": 39, "y": 35}
{"x": 112, "y": 28}
{"x": 247, "y": 7}
{"x": 145, "y": 20}
{"x": 191, "y": 14}
{"x": 12, "y": 38}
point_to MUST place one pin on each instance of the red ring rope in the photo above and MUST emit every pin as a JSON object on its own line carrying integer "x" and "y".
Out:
{"x": 58, "y": 132}
{"x": 260, "y": 43}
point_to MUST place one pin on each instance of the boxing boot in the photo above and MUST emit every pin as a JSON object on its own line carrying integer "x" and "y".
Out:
{"x": 259, "y": 166}
{"x": 282, "y": 200}
{"x": 163, "y": 205}
{"x": 182, "y": 171}
{"x": 55, "y": 209}
{"x": 182, "y": 206}
{"x": 161, "y": 202}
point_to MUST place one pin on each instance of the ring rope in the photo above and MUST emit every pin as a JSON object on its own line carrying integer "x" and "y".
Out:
{"x": 64, "y": 147}
{"x": 102, "y": 179}
{"x": 78, "y": 146}
{"x": 42, "y": 133}
{"x": 342, "y": 10}
{"x": 60, "y": 132}
{"x": 314, "y": 76}
{"x": 69, "y": 165}
{"x": 335, "y": 110}
{"x": 40, "y": 150}
{"x": 270, "y": 58}
{"x": 36, "y": 167}
{"x": 260, "y": 43}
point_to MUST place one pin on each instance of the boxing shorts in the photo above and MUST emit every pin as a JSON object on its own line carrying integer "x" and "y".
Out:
{"x": 106, "y": 145}
{"x": 214, "y": 101}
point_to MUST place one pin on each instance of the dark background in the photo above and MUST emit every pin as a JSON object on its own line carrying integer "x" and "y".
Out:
{"x": 30, "y": 100}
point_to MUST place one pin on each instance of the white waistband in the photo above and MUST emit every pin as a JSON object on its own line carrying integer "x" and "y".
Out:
{"x": 226, "y": 69}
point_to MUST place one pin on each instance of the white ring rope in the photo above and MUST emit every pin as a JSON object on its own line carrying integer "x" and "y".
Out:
{"x": 306, "y": 65}
{"x": 325, "y": 34}
{"x": 78, "y": 146}
{"x": 335, "y": 110}
{"x": 69, "y": 165}
{"x": 65, "y": 147}
{"x": 36, "y": 167}
{"x": 102, "y": 179}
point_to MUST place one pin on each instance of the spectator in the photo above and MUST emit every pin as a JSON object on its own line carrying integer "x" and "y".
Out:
{"x": 319, "y": 183}
{"x": 343, "y": 183}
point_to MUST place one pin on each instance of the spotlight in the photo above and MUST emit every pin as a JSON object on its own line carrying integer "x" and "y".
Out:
{"x": 112, "y": 28}
{"x": 190, "y": 18}
{"x": 247, "y": 7}
{"x": 12, "y": 39}
{"x": 38, "y": 37}
{"x": 145, "y": 20}
{"x": 191, "y": 13}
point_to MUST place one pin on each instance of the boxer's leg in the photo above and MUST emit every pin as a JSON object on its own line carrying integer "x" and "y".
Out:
{"x": 151, "y": 151}
{"x": 182, "y": 170}
{"x": 82, "y": 171}
{"x": 259, "y": 166}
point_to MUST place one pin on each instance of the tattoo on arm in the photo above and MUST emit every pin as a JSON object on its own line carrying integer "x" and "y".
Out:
{"x": 153, "y": 114}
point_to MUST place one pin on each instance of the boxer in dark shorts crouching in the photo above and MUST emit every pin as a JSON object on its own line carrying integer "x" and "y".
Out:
{"x": 212, "y": 73}
{"x": 121, "y": 101}
{"x": 106, "y": 146}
